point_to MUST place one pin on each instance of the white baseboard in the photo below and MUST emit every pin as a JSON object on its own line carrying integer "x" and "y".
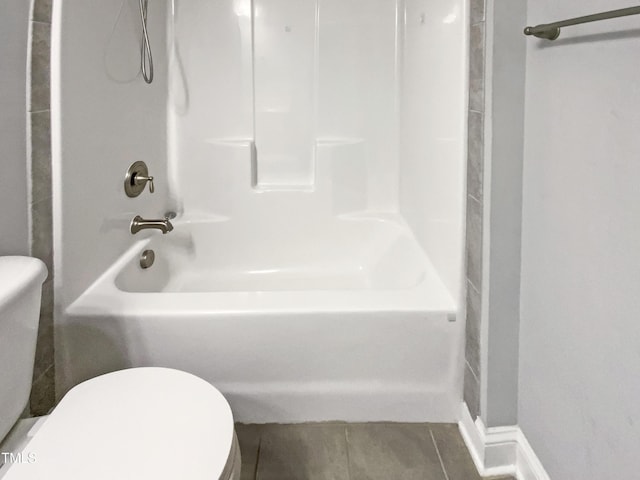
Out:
{"x": 500, "y": 450}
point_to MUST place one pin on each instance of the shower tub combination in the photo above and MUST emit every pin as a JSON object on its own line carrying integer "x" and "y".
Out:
{"x": 313, "y": 272}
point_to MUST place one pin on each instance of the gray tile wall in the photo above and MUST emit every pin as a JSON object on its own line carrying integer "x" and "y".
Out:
{"x": 475, "y": 172}
{"x": 501, "y": 323}
{"x": 41, "y": 227}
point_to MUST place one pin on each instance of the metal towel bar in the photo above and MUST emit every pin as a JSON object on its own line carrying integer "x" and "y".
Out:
{"x": 551, "y": 31}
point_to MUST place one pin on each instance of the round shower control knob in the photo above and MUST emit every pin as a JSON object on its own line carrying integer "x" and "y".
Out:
{"x": 136, "y": 178}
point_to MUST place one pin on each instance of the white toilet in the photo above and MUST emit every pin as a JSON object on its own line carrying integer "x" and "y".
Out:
{"x": 140, "y": 423}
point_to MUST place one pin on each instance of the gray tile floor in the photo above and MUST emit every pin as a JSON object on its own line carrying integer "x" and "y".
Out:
{"x": 341, "y": 451}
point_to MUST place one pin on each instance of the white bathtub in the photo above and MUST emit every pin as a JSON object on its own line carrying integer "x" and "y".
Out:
{"x": 340, "y": 321}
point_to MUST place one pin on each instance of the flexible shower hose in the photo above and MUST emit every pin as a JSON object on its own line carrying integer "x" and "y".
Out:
{"x": 146, "y": 62}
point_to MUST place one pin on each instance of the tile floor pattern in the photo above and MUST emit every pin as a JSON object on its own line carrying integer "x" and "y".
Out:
{"x": 367, "y": 451}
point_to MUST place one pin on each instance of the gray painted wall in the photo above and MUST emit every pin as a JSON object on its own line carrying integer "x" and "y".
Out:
{"x": 504, "y": 216}
{"x": 14, "y": 26}
{"x": 25, "y": 151}
{"x": 579, "y": 393}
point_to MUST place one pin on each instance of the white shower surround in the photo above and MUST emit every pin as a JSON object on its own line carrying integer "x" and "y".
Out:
{"x": 316, "y": 162}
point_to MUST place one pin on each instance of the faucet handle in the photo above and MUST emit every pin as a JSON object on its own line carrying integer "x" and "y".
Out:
{"x": 145, "y": 179}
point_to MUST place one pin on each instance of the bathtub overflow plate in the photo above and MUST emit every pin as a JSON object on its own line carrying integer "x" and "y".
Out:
{"x": 147, "y": 258}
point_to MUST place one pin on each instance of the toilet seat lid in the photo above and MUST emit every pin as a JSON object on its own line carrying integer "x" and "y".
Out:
{"x": 140, "y": 423}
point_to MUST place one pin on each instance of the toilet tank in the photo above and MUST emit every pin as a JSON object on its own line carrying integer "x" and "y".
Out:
{"x": 21, "y": 281}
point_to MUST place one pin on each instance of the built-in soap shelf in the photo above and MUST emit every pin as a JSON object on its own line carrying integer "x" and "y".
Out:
{"x": 333, "y": 158}
{"x": 270, "y": 187}
{"x": 230, "y": 168}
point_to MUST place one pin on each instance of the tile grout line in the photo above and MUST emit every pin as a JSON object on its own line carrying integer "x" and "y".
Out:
{"x": 255, "y": 469}
{"x": 475, "y": 375}
{"x": 474, "y": 198}
{"x": 346, "y": 441}
{"x": 435, "y": 444}
{"x": 472, "y": 285}
{"x": 43, "y": 373}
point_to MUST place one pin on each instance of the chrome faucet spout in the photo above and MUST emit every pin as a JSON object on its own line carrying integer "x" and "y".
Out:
{"x": 138, "y": 223}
